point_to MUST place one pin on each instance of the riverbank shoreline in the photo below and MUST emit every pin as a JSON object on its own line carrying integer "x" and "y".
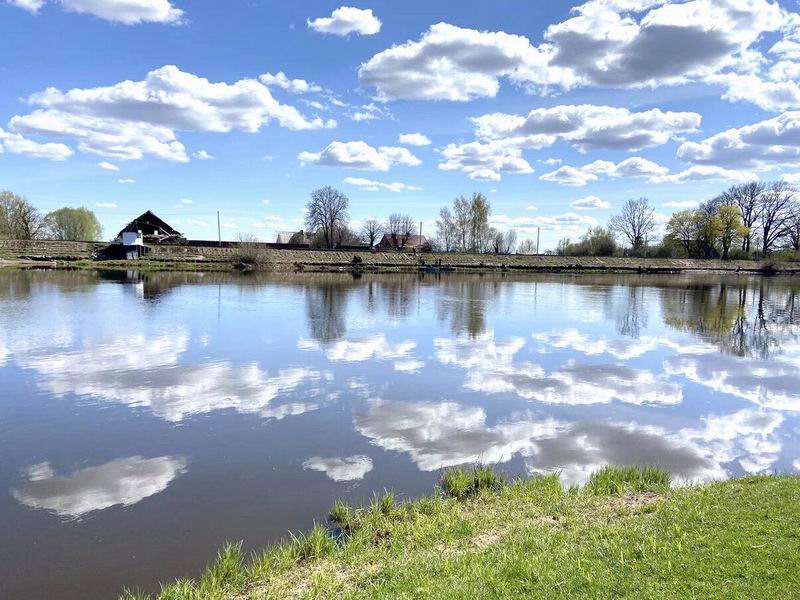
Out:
{"x": 626, "y": 533}
{"x": 81, "y": 255}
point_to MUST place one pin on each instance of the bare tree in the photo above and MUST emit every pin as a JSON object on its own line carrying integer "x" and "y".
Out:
{"x": 774, "y": 212}
{"x": 747, "y": 197}
{"x": 446, "y": 233}
{"x": 503, "y": 242}
{"x": 19, "y": 219}
{"x": 372, "y": 229}
{"x": 461, "y": 220}
{"x": 399, "y": 227}
{"x": 480, "y": 210}
{"x": 470, "y": 223}
{"x": 527, "y": 246}
{"x": 793, "y": 229}
{"x": 326, "y": 213}
{"x": 635, "y": 223}
{"x": 511, "y": 241}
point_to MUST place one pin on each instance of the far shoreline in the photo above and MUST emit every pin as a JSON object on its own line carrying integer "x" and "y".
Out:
{"x": 82, "y": 255}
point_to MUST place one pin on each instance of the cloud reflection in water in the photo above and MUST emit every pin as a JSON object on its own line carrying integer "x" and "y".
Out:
{"x": 443, "y": 434}
{"x": 346, "y": 468}
{"x": 491, "y": 369}
{"x": 124, "y": 481}
{"x": 141, "y": 371}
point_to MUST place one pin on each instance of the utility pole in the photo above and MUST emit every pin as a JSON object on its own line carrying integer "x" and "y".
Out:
{"x": 420, "y": 232}
{"x": 537, "y": 239}
{"x": 219, "y": 231}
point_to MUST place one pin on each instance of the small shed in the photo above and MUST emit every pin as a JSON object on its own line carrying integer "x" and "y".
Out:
{"x": 413, "y": 243}
{"x": 148, "y": 228}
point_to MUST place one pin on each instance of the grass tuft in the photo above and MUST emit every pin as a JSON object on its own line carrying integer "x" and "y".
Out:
{"x": 460, "y": 483}
{"x": 384, "y": 504}
{"x": 317, "y": 543}
{"x": 615, "y": 481}
{"x": 343, "y": 516}
{"x": 456, "y": 482}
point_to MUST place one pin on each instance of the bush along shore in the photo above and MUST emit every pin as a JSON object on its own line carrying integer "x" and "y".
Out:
{"x": 626, "y": 533}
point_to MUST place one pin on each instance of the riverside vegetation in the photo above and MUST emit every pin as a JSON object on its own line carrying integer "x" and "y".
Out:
{"x": 626, "y": 533}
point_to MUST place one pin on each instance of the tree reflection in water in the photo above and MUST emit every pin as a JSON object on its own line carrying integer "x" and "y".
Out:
{"x": 463, "y": 303}
{"x": 754, "y": 318}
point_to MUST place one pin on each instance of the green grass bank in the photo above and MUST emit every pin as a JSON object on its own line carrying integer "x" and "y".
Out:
{"x": 627, "y": 533}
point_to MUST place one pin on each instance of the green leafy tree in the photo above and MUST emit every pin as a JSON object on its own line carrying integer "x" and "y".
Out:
{"x": 681, "y": 229}
{"x": 708, "y": 228}
{"x": 73, "y": 224}
{"x": 731, "y": 229}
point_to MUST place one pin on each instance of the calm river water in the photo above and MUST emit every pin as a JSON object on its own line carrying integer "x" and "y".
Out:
{"x": 145, "y": 419}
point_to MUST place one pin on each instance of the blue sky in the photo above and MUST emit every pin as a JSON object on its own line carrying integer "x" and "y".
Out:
{"x": 558, "y": 112}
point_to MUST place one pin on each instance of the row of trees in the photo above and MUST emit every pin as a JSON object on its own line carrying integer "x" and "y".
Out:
{"x": 20, "y": 220}
{"x": 748, "y": 219}
{"x": 464, "y": 227}
{"x": 743, "y": 219}
{"x": 327, "y": 217}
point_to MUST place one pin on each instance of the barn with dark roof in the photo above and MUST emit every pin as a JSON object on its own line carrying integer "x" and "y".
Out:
{"x": 152, "y": 229}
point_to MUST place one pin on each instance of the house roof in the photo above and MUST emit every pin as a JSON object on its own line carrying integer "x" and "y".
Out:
{"x": 147, "y": 222}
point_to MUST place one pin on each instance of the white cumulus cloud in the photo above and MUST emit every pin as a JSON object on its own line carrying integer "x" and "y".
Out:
{"x": 484, "y": 161}
{"x": 15, "y": 143}
{"x": 133, "y": 119}
{"x": 32, "y": 6}
{"x": 768, "y": 143}
{"x": 127, "y": 12}
{"x": 634, "y": 166}
{"x": 587, "y": 127}
{"x": 360, "y": 155}
{"x": 706, "y": 173}
{"x": 590, "y": 202}
{"x": 603, "y": 43}
{"x": 346, "y": 20}
{"x": 296, "y": 86}
{"x": 369, "y": 185}
{"x": 414, "y": 139}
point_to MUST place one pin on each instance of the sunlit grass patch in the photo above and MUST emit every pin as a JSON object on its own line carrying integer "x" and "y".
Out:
{"x": 614, "y": 481}
{"x": 625, "y": 534}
